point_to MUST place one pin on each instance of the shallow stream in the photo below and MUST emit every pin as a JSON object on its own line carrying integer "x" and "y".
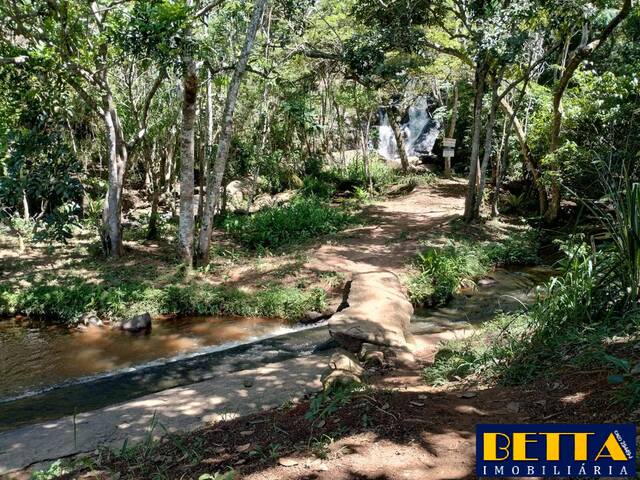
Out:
{"x": 51, "y": 371}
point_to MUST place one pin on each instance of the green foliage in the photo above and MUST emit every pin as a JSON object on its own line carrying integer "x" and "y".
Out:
{"x": 328, "y": 402}
{"x": 569, "y": 324}
{"x": 443, "y": 268}
{"x": 67, "y": 302}
{"x": 57, "y": 469}
{"x": 275, "y": 227}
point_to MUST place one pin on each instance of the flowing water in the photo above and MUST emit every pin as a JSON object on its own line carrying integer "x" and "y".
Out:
{"x": 48, "y": 372}
{"x": 34, "y": 356}
{"x": 419, "y": 132}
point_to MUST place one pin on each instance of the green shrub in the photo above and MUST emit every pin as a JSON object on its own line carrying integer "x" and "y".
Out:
{"x": 573, "y": 316}
{"x": 68, "y": 302}
{"x": 301, "y": 220}
{"x": 443, "y": 268}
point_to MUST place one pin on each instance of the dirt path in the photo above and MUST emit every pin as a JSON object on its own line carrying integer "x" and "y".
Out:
{"x": 397, "y": 226}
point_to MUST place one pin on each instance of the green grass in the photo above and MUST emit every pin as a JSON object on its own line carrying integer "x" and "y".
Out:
{"x": 442, "y": 269}
{"x": 67, "y": 302}
{"x": 351, "y": 179}
{"x": 571, "y": 323}
{"x": 297, "y": 222}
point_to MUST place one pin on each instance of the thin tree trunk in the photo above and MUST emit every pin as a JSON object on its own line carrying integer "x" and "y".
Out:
{"x": 187, "y": 154}
{"x": 573, "y": 62}
{"x": 500, "y": 160}
{"x": 214, "y": 181}
{"x": 397, "y": 133}
{"x": 452, "y": 128}
{"x": 474, "y": 161}
{"x": 527, "y": 156}
{"x": 488, "y": 141}
{"x": 111, "y": 232}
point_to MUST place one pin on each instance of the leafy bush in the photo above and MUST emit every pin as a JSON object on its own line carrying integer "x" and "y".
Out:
{"x": 296, "y": 222}
{"x": 569, "y": 323}
{"x": 443, "y": 268}
{"x": 68, "y": 302}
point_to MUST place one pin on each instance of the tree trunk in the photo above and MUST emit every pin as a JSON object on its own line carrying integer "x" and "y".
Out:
{"x": 452, "y": 128}
{"x": 474, "y": 161}
{"x": 397, "y": 133}
{"x": 577, "y": 57}
{"x": 187, "y": 153}
{"x": 111, "y": 232}
{"x": 528, "y": 159}
{"x": 488, "y": 141}
{"x": 500, "y": 160}
{"x": 216, "y": 174}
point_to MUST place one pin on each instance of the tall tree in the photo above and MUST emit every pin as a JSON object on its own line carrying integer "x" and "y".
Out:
{"x": 216, "y": 174}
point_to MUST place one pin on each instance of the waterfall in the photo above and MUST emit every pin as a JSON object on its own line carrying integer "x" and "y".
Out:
{"x": 387, "y": 142}
{"x": 419, "y": 131}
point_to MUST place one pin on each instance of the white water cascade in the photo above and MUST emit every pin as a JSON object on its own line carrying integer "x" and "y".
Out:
{"x": 419, "y": 132}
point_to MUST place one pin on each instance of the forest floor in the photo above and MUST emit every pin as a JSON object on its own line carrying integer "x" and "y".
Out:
{"x": 397, "y": 427}
{"x": 392, "y": 232}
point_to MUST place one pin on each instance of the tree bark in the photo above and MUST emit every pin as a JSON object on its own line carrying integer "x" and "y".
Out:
{"x": 111, "y": 233}
{"x": 488, "y": 142}
{"x": 397, "y": 133}
{"x": 500, "y": 160}
{"x": 216, "y": 174}
{"x": 528, "y": 159}
{"x": 187, "y": 154}
{"x": 474, "y": 161}
{"x": 452, "y": 128}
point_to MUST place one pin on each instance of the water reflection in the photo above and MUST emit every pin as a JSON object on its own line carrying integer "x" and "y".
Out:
{"x": 33, "y": 355}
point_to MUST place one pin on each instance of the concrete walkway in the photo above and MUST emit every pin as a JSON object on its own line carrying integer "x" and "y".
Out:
{"x": 178, "y": 409}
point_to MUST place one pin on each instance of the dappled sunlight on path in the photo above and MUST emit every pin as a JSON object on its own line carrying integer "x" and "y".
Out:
{"x": 183, "y": 408}
{"x": 394, "y": 231}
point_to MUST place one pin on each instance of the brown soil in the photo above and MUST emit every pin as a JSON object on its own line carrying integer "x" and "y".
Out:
{"x": 400, "y": 428}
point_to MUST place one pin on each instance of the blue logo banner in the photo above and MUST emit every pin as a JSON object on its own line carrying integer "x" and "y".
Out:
{"x": 555, "y": 450}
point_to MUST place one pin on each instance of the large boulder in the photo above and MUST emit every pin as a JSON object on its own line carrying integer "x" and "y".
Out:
{"x": 378, "y": 313}
{"x": 238, "y": 193}
{"x": 137, "y": 323}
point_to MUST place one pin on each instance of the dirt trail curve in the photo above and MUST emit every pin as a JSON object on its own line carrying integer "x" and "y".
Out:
{"x": 391, "y": 237}
{"x": 396, "y": 227}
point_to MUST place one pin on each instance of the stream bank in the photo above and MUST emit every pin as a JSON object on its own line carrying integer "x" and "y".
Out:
{"x": 192, "y": 392}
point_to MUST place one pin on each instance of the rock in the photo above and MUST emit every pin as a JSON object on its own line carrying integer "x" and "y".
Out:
{"x": 312, "y": 317}
{"x": 378, "y": 313}
{"x": 343, "y": 360}
{"x": 486, "y": 282}
{"x": 339, "y": 377}
{"x": 371, "y": 355}
{"x": 247, "y": 382}
{"x": 288, "y": 462}
{"x": 238, "y": 193}
{"x": 402, "y": 189}
{"x": 399, "y": 357}
{"x": 468, "y": 395}
{"x": 91, "y": 319}
{"x": 138, "y": 323}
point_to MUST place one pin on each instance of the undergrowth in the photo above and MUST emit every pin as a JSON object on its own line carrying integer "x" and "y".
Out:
{"x": 352, "y": 179}
{"x": 301, "y": 220}
{"x": 573, "y": 322}
{"x": 442, "y": 269}
{"x": 69, "y": 301}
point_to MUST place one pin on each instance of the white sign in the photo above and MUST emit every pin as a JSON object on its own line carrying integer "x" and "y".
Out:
{"x": 448, "y": 152}
{"x": 449, "y": 142}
